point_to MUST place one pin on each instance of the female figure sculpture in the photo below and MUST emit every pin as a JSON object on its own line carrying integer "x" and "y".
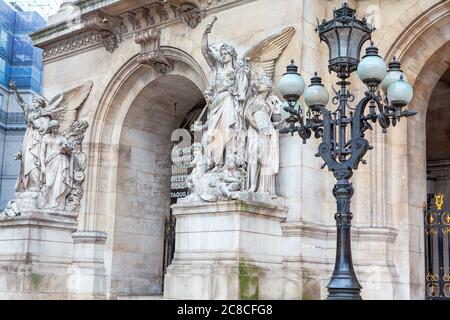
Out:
{"x": 29, "y": 178}
{"x": 262, "y": 140}
{"x": 225, "y": 131}
{"x": 55, "y": 161}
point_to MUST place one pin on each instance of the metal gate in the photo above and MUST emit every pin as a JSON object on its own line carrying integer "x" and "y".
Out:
{"x": 437, "y": 249}
{"x": 169, "y": 245}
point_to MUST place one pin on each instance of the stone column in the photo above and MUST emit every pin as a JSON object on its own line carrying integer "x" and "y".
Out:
{"x": 227, "y": 250}
{"x": 87, "y": 274}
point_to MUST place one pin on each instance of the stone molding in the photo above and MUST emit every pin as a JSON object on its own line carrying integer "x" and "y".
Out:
{"x": 242, "y": 206}
{"x": 315, "y": 231}
{"x": 419, "y": 27}
{"x": 96, "y": 28}
{"x": 75, "y": 44}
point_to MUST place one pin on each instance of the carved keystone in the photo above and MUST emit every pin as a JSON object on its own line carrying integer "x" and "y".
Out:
{"x": 151, "y": 53}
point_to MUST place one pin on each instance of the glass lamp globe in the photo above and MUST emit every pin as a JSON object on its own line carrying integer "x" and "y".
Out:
{"x": 393, "y": 74}
{"x": 372, "y": 68}
{"x": 291, "y": 85}
{"x": 400, "y": 93}
{"x": 316, "y": 94}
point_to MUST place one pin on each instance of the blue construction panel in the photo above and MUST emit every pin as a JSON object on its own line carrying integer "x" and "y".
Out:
{"x": 7, "y": 16}
{"x": 19, "y": 60}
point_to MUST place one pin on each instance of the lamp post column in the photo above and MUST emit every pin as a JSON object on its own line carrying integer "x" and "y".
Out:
{"x": 343, "y": 285}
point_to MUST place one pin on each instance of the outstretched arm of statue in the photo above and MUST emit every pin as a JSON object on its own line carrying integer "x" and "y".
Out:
{"x": 208, "y": 52}
{"x": 19, "y": 99}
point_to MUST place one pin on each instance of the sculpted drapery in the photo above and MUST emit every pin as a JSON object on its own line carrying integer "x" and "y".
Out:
{"x": 262, "y": 138}
{"x": 52, "y": 163}
{"x": 29, "y": 177}
{"x": 55, "y": 161}
{"x": 225, "y": 128}
{"x": 240, "y": 142}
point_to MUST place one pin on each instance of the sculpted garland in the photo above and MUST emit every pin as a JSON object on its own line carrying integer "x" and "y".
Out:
{"x": 238, "y": 153}
{"x": 52, "y": 163}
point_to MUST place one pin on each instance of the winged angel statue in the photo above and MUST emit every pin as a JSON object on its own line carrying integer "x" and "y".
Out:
{"x": 52, "y": 163}
{"x": 239, "y": 141}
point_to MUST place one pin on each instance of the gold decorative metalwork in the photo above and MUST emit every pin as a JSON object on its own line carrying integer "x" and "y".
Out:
{"x": 447, "y": 290}
{"x": 446, "y": 218}
{"x": 432, "y": 218}
{"x": 430, "y": 231}
{"x": 446, "y": 278}
{"x": 433, "y": 290}
{"x": 432, "y": 277}
{"x": 439, "y": 201}
{"x": 446, "y": 231}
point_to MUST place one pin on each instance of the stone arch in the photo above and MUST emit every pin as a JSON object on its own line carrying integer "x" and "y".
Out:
{"x": 131, "y": 83}
{"x": 424, "y": 50}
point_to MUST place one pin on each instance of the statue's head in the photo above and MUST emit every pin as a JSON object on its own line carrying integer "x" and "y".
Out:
{"x": 197, "y": 148}
{"x": 231, "y": 161}
{"x": 228, "y": 53}
{"x": 53, "y": 126}
{"x": 262, "y": 83}
{"x": 39, "y": 102}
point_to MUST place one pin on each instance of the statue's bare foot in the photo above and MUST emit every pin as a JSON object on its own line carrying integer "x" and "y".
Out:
{"x": 252, "y": 190}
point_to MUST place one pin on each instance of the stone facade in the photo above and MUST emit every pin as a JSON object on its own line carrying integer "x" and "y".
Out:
{"x": 133, "y": 108}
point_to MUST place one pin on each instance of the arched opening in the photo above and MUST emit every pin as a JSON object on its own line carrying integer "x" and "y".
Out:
{"x": 144, "y": 183}
{"x": 438, "y": 137}
{"x": 424, "y": 50}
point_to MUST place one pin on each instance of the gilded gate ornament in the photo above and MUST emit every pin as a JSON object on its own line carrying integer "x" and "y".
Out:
{"x": 439, "y": 201}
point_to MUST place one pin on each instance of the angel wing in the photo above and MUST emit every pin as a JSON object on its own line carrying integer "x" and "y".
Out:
{"x": 264, "y": 55}
{"x": 64, "y": 107}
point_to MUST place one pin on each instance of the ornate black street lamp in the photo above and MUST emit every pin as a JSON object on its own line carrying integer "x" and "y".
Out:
{"x": 343, "y": 130}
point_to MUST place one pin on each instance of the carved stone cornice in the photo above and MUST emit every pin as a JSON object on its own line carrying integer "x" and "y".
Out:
{"x": 105, "y": 22}
{"x": 77, "y": 43}
{"x": 151, "y": 54}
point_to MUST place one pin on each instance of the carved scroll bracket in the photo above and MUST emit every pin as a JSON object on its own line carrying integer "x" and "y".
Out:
{"x": 191, "y": 12}
{"x": 151, "y": 54}
{"x": 109, "y": 28}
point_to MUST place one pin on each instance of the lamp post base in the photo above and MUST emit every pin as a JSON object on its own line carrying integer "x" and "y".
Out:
{"x": 344, "y": 288}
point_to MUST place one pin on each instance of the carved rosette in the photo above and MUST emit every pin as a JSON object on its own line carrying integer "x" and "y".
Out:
{"x": 151, "y": 53}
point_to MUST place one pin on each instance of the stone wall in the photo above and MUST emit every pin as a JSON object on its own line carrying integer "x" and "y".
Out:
{"x": 388, "y": 239}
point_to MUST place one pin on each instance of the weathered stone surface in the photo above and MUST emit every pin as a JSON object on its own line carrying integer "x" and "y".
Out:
{"x": 133, "y": 110}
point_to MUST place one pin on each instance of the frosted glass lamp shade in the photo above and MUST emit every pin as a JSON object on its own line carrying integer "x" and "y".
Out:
{"x": 400, "y": 93}
{"x": 291, "y": 85}
{"x": 372, "y": 68}
{"x": 393, "y": 74}
{"x": 316, "y": 94}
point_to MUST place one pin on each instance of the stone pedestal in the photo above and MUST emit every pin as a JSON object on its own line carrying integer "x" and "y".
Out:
{"x": 35, "y": 253}
{"x": 227, "y": 250}
{"x": 87, "y": 278}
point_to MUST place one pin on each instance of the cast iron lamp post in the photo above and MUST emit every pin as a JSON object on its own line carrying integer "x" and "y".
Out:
{"x": 343, "y": 130}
